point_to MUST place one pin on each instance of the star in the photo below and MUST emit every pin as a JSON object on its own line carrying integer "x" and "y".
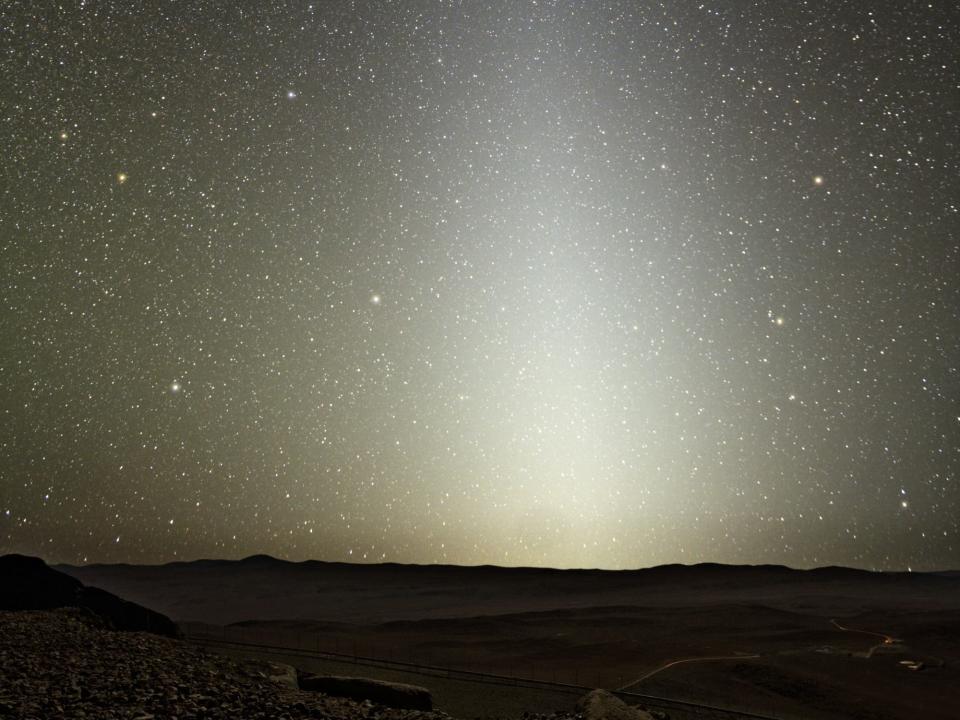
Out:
{"x": 582, "y": 272}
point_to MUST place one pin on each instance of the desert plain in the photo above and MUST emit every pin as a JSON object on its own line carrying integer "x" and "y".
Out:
{"x": 826, "y": 643}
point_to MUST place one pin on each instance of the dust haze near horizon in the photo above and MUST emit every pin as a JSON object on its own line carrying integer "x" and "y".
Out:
{"x": 604, "y": 284}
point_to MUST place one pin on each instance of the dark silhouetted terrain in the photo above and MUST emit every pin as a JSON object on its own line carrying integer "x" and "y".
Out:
{"x": 28, "y": 583}
{"x": 264, "y": 588}
{"x": 824, "y": 643}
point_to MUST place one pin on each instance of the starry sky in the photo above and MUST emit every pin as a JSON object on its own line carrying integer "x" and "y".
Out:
{"x": 605, "y": 284}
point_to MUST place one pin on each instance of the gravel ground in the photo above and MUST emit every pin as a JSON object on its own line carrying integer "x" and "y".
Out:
{"x": 461, "y": 698}
{"x": 65, "y": 664}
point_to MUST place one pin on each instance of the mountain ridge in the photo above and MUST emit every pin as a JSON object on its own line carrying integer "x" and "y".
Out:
{"x": 266, "y": 559}
{"x": 265, "y": 588}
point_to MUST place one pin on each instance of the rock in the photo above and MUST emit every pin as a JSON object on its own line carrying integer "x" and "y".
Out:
{"x": 395, "y": 695}
{"x": 46, "y": 655}
{"x": 28, "y": 583}
{"x": 279, "y": 673}
{"x": 603, "y": 705}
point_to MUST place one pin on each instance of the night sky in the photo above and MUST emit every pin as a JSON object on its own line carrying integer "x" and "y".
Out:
{"x": 605, "y": 284}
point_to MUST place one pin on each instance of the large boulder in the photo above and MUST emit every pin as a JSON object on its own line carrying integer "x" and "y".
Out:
{"x": 279, "y": 673}
{"x": 28, "y": 583}
{"x": 395, "y": 695}
{"x": 603, "y": 705}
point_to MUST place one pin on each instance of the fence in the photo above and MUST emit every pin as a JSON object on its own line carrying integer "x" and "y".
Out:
{"x": 292, "y": 644}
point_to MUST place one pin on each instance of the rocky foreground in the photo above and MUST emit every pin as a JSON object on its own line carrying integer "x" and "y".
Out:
{"x": 72, "y": 651}
{"x": 67, "y": 664}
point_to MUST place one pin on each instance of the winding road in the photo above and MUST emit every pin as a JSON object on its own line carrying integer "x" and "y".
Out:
{"x": 887, "y": 639}
{"x": 685, "y": 660}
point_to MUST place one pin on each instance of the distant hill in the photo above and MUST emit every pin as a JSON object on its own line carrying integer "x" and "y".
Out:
{"x": 28, "y": 583}
{"x": 265, "y": 588}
